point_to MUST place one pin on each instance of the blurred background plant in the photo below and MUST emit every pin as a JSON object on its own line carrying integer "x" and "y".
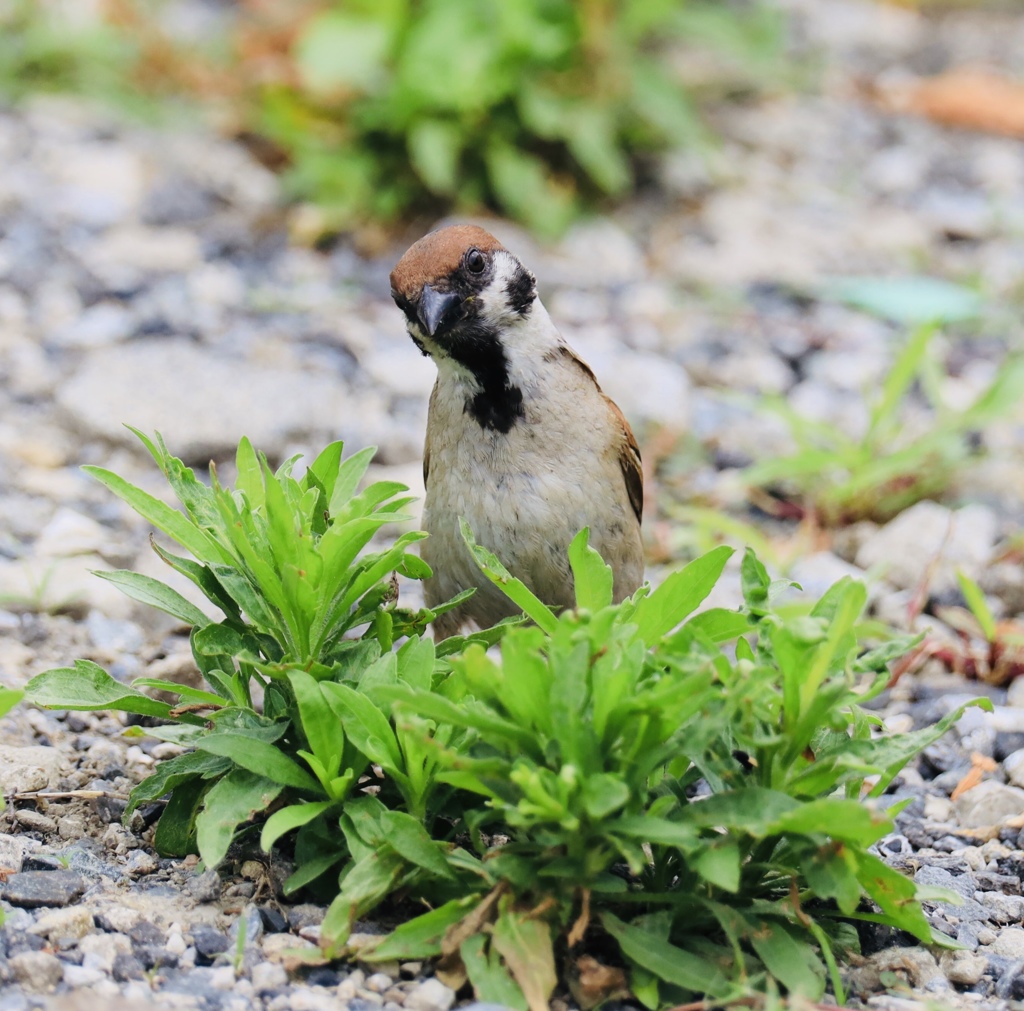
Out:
{"x": 378, "y": 109}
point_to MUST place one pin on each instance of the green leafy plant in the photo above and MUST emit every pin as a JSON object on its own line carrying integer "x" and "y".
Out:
{"x": 538, "y": 108}
{"x": 841, "y": 477}
{"x": 686, "y": 799}
{"x": 587, "y": 742}
{"x": 303, "y": 601}
{"x": 39, "y": 53}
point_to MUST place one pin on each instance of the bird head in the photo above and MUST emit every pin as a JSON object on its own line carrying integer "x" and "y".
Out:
{"x": 460, "y": 289}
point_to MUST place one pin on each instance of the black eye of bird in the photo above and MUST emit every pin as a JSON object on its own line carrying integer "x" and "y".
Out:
{"x": 475, "y": 261}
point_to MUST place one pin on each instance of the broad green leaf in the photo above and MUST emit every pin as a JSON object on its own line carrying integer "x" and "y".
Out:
{"x": 515, "y": 589}
{"x": 667, "y": 961}
{"x": 651, "y": 829}
{"x": 176, "y": 830}
{"x": 312, "y": 869}
{"x": 337, "y": 51}
{"x": 230, "y": 802}
{"x": 409, "y": 838}
{"x": 755, "y": 583}
{"x": 603, "y": 794}
{"x": 491, "y": 981}
{"x": 288, "y": 818}
{"x": 364, "y": 885}
{"x": 434, "y": 149}
{"x": 792, "y": 962}
{"x": 365, "y": 725}
{"x": 151, "y": 591}
{"x": 184, "y": 692}
{"x": 416, "y": 663}
{"x": 171, "y": 774}
{"x": 908, "y": 300}
{"x": 9, "y": 698}
{"x": 259, "y": 757}
{"x": 720, "y": 624}
{"x": 319, "y": 722}
{"x": 161, "y": 515}
{"x": 420, "y": 937}
{"x": 89, "y": 686}
{"x": 844, "y": 820}
{"x": 895, "y": 894}
{"x": 593, "y": 142}
{"x": 523, "y": 185}
{"x": 592, "y": 577}
{"x": 680, "y": 595}
{"x": 753, "y": 809}
{"x": 719, "y": 864}
{"x": 525, "y": 945}
{"x": 830, "y": 876}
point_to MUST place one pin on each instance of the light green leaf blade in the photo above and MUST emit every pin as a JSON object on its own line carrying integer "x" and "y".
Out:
{"x": 147, "y": 590}
{"x": 288, "y": 818}
{"x": 515, "y": 589}
{"x": 667, "y": 961}
{"x": 592, "y": 577}
{"x": 231, "y": 801}
{"x": 89, "y": 686}
{"x": 908, "y": 300}
{"x": 259, "y": 757}
{"x": 680, "y": 595}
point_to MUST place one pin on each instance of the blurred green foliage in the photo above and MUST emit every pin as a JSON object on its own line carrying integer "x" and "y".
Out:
{"x": 376, "y": 109}
{"x": 530, "y": 106}
{"x": 40, "y": 51}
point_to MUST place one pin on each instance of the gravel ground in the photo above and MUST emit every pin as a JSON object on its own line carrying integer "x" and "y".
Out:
{"x": 146, "y": 277}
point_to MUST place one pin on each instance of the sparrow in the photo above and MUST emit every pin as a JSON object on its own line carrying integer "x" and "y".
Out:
{"x": 520, "y": 440}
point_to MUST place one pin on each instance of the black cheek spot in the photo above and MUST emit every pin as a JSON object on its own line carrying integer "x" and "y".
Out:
{"x": 521, "y": 291}
{"x": 419, "y": 344}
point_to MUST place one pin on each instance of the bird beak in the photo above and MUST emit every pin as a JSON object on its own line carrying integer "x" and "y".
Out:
{"x": 434, "y": 307}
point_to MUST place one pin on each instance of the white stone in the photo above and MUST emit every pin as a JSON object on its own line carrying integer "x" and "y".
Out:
{"x": 100, "y": 950}
{"x": 37, "y": 970}
{"x": 73, "y": 922}
{"x": 204, "y": 402}
{"x": 80, "y": 975}
{"x": 430, "y": 995}
{"x": 268, "y": 976}
{"x": 1013, "y": 766}
{"x": 99, "y": 325}
{"x": 1009, "y": 942}
{"x": 222, "y": 977}
{"x": 12, "y": 853}
{"x": 23, "y": 770}
{"x": 125, "y": 253}
{"x": 964, "y": 968}
{"x": 987, "y": 804}
{"x": 1015, "y": 693}
{"x": 907, "y": 547}
{"x": 70, "y": 533}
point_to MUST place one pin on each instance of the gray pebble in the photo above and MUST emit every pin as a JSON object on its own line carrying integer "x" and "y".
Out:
{"x": 37, "y": 970}
{"x": 205, "y": 887}
{"x": 32, "y": 889}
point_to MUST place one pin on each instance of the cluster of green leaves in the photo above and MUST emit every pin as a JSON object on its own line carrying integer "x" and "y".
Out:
{"x": 530, "y": 106}
{"x": 377, "y": 109}
{"x": 685, "y": 794}
{"x": 38, "y": 52}
{"x": 876, "y": 474}
{"x": 287, "y": 562}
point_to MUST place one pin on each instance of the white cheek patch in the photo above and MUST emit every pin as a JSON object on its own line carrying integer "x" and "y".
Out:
{"x": 495, "y": 311}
